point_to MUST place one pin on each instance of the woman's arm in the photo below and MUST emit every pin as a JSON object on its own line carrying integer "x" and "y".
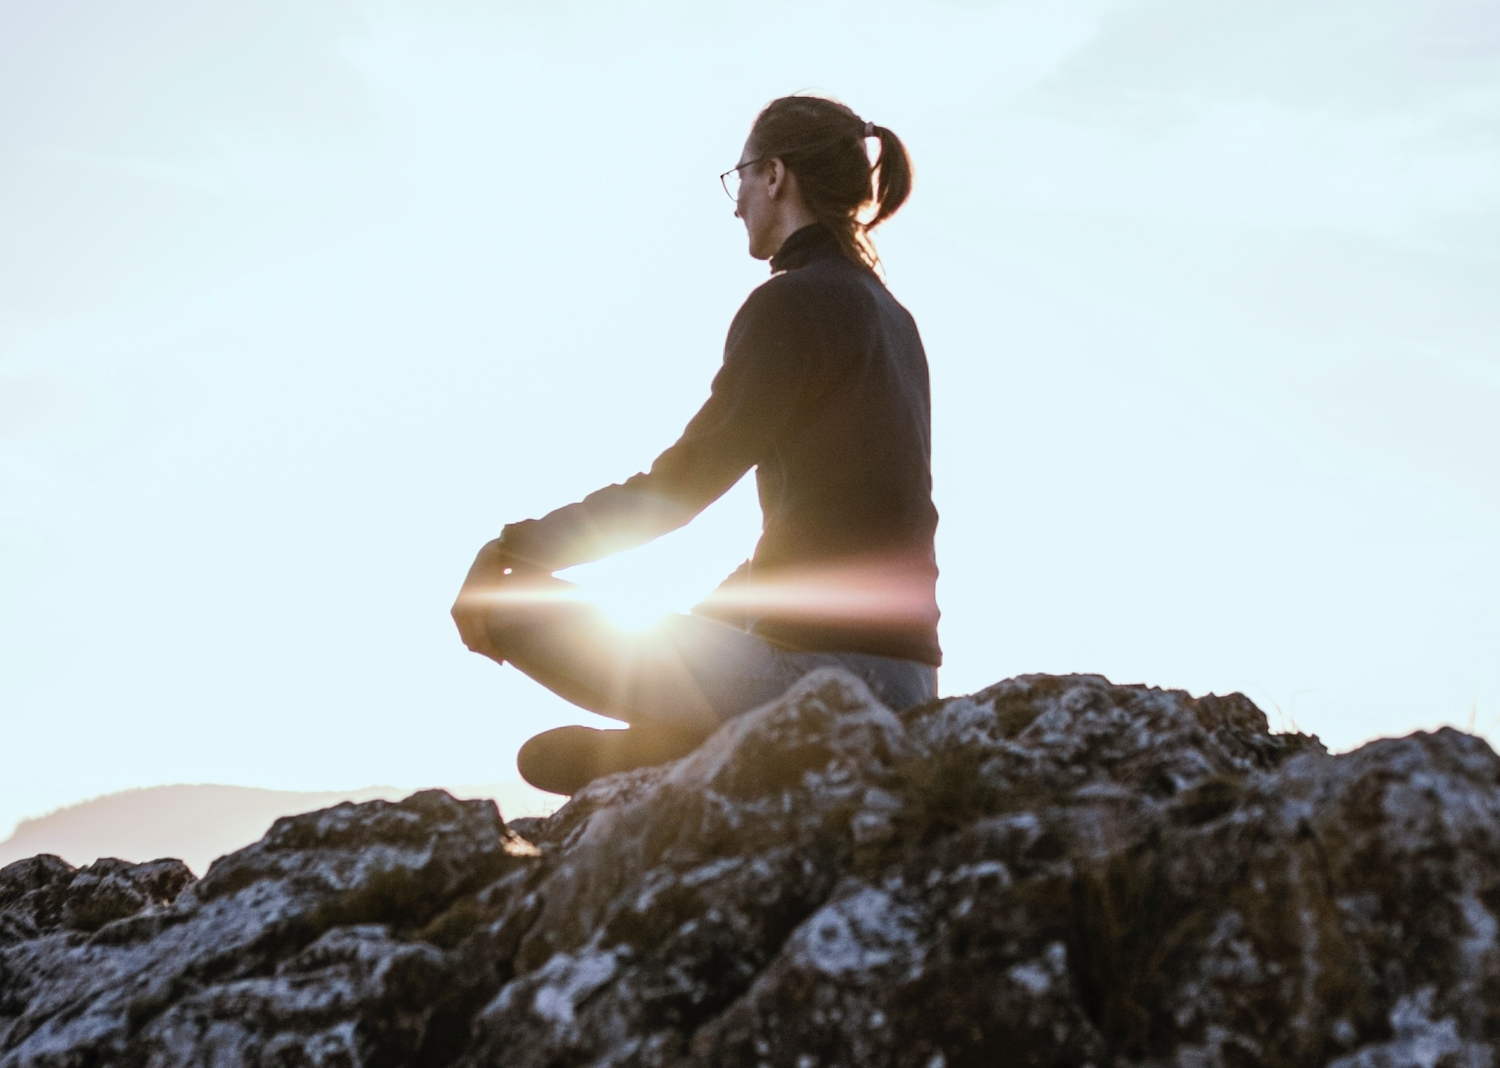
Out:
{"x": 769, "y": 359}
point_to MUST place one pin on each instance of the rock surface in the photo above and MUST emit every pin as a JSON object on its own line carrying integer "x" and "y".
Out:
{"x": 1054, "y": 871}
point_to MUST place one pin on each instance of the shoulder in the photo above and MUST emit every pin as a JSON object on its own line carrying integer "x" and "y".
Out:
{"x": 821, "y": 290}
{"x": 775, "y": 305}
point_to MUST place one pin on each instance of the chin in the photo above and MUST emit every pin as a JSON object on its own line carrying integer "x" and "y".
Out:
{"x": 756, "y": 244}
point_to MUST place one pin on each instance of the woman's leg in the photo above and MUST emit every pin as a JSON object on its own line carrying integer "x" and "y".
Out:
{"x": 688, "y": 672}
{"x": 899, "y": 684}
{"x": 674, "y": 684}
{"x": 685, "y": 674}
{"x": 671, "y": 683}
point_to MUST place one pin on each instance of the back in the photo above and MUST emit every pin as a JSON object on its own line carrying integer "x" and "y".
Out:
{"x": 845, "y": 483}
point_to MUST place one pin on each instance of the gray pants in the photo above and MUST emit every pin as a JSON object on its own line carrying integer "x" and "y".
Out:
{"x": 688, "y": 672}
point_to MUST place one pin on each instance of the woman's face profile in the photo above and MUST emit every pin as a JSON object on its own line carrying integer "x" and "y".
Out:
{"x": 755, "y": 206}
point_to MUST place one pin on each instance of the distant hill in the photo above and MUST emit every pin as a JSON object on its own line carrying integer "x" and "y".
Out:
{"x": 197, "y": 823}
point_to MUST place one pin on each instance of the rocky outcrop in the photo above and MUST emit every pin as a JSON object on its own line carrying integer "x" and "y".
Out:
{"x": 1055, "y": 871}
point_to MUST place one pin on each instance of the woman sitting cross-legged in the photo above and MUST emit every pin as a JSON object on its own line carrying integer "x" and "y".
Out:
{"x": 824, "y": 391}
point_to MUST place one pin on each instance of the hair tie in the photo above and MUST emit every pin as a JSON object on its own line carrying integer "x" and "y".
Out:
{"x": 869, "y": 129}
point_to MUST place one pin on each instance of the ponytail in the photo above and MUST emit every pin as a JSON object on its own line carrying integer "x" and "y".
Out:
{"x": 823, "y": 143}
{"x": 894, "y": 181}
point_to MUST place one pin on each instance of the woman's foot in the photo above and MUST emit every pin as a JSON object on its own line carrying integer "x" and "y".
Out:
{"x": 565, "y": 760}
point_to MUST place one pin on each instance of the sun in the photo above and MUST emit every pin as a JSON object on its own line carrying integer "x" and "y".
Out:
{"x": 632, "y": 603}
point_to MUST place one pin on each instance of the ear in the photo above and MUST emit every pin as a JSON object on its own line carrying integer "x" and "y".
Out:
{"x": 776, "y": 177}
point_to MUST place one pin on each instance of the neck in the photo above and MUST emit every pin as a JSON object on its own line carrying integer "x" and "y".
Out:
{"x": 790, "y": 219}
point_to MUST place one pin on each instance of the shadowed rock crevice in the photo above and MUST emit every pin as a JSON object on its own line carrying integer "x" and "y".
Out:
{"x": 1053, "y": 871}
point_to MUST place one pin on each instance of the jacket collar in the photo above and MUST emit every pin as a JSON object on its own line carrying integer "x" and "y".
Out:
{"x": 815, "y": 242}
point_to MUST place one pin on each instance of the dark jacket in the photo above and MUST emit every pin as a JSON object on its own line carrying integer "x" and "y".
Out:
{"x": 824, "y": 392}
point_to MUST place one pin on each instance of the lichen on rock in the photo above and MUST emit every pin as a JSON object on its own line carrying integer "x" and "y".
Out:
{"x": 1053, "y": 871}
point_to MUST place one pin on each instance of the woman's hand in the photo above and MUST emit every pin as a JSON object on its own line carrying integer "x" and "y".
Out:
{"x": 475, "y": 598}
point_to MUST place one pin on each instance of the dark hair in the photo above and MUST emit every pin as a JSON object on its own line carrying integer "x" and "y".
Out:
{"x": 822, "y": 142}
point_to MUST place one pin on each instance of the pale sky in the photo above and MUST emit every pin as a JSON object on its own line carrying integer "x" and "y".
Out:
{"x": 301, "y": 300}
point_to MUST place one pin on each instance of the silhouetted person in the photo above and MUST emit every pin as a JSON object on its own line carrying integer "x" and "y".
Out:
{"x": 824, "y": 391}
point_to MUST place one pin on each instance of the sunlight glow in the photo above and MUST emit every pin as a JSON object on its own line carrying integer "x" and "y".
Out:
{"x": 875, "y": 590}
{"x": 629, "y": 608}
{"x": 632, "y": 600}
{"x": 630, "y": 605}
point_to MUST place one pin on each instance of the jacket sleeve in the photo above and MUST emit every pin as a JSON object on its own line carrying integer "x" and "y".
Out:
{"x": 768, "y": 360}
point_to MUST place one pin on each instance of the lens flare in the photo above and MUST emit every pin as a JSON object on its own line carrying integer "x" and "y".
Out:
{"x": 890, "y": 592}
{"x": 633, "y": 606}
{"x": 858, "y": 592}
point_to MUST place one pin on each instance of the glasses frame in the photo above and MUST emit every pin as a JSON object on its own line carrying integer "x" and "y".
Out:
{"x": 735, "y": 170}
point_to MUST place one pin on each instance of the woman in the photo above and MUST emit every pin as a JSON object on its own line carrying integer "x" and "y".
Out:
{"x": 824, "y": 391}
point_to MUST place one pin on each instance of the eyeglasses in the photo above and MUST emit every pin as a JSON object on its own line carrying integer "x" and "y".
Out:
{"x": 730, "y": 179}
